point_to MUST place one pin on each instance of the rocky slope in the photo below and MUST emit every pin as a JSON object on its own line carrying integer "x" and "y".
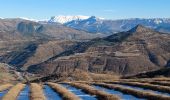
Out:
{"x": 137, "y": 50}
{"x": 34, "y": 52}
{"x": 24, "y": 43}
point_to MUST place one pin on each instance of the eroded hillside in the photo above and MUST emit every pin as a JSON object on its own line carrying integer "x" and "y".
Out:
{"x": 137, "y": 50}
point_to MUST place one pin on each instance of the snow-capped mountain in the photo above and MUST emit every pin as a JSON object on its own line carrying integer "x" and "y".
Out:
{"x": 100, "y": 25}
{"x": 97, "y": 25}
{"x": 92, "y": 24}
{"x": 64, "y": 19}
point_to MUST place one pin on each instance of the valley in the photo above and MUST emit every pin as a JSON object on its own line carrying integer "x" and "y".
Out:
{"x": 53, "y": 61}
{"x": 84, "y": 50}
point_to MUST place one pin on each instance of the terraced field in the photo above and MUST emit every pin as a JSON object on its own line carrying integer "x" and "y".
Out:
{"x": 129, "y": 89}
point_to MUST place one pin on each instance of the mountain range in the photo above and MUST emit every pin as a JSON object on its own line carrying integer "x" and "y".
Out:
{"x": 26, "y": 29}
{"x": 96, "y": 25}
{"x": 93, "y": 25}
{"x": 95, "y": 45}
{"x": 135, "y": 51}
{"x": 64, "y": 19}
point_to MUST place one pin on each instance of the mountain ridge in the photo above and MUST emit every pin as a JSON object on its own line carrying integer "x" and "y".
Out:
{"x": 125, "y": 53}
{"x": 95, "y": 25}
{"x": 142, "y": 47}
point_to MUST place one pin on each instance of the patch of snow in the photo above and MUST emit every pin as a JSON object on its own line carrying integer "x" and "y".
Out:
{"x": 64, "y": 19}
{"x": 157, "y": 21}
{"x": 30, "y": 19}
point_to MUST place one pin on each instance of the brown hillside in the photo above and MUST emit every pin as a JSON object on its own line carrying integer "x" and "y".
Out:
{"x": 127, "y": 53}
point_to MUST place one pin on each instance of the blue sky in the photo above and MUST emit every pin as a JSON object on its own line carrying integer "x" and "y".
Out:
{"x": 110, "y": 9}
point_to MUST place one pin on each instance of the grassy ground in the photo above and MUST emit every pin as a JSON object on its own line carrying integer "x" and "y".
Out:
{"x": 14, "y": 92}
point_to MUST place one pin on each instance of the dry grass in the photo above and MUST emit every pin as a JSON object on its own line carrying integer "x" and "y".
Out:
{"x": 7, "y": 75}
{"x": 160, "y": 88}
{"x": 37, "y": 92}
{"x": 147, "y": 79}
{"x": 104, "y": 77}
{"x": 136, "y": 93}
{"x": 151, "y": 81}
{"x": 160, "y": 83}
{"x": 5, "y": 87}
{"x": 14, "y": 92}
{"x": 101, "y": 95}
{"x": 81, "y": 75}
{"x": 66, "y": 95}
{"x": 168, "y": 80}
{"x": 124, "y": 80}
{"x": 135, "y": 80}
{"x": 161, "y": 79}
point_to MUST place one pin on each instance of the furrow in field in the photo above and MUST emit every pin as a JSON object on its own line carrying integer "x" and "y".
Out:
{"x": 159, "y": 88}
{"x": 120, "y": 94}
{"x": 50, "y": 94}
{"x": 4, "y": 89}
{"x": 79, "y": 92}
{"x": 24, "y": 94}
{"x": 65, "y": 94}
{"x": 145, "y": 89}
{"x": 101, "y": 95}
{"x": 160, "y": 83}
{"x": 14, "y": 92}
{"x": 36, "y": 92}
{"x": 134, "y": 92}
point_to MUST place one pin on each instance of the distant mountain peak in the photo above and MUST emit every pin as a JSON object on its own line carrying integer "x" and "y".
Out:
{"x": 93, "y": 17}
{"x": 64, "y": 19}
{"x": 140, "y": 28}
